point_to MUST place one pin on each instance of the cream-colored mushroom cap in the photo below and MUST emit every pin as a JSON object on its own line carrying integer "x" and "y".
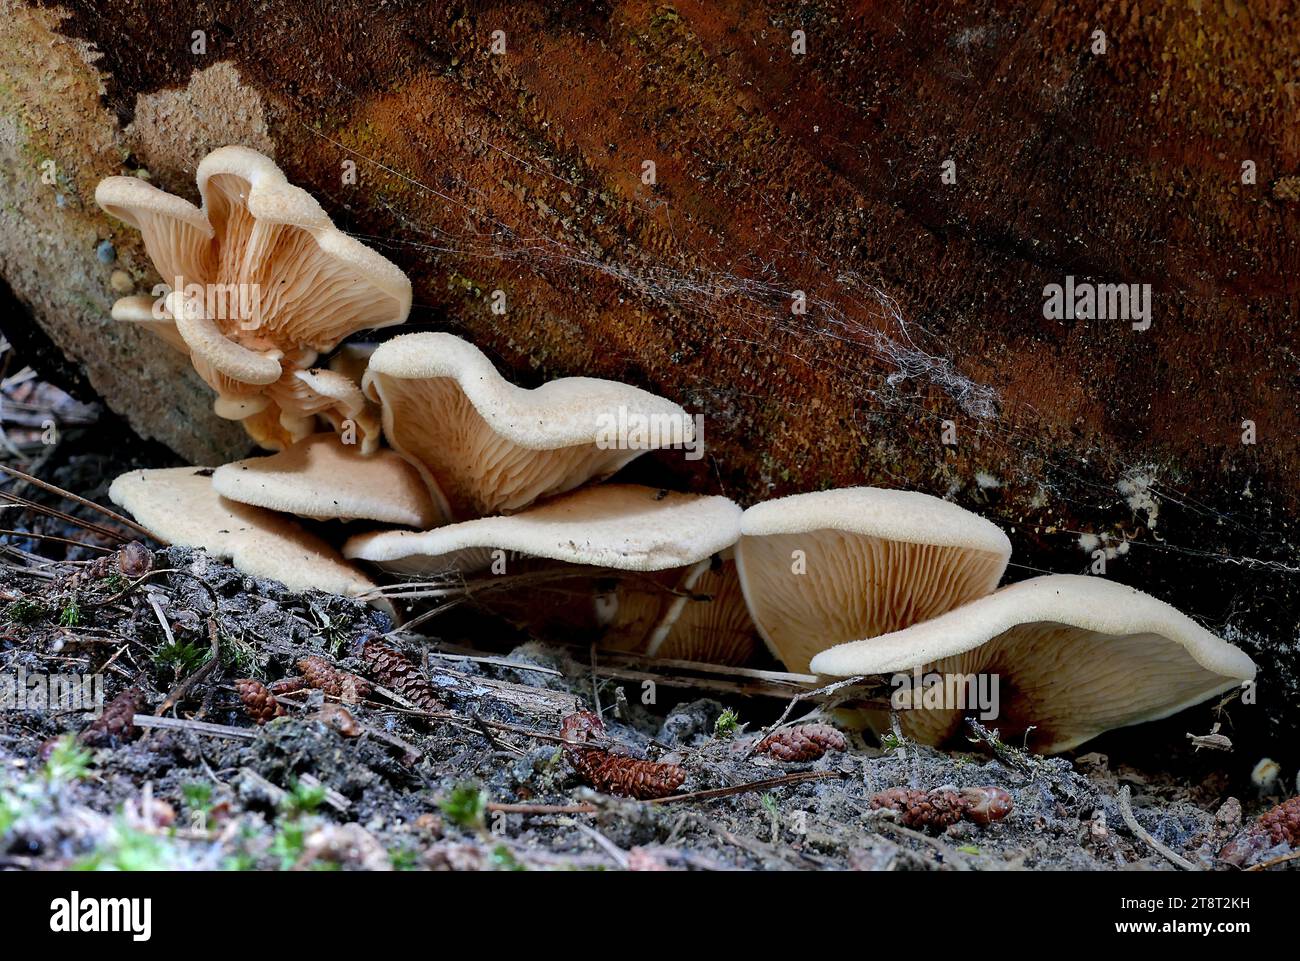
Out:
{"x": 262, "y": 283}
{"x": 180, "y": 505}
{"x": 1074, "y": 656}
{"x": 323, "y": 478}
{"x": 490, "y": 447}
{"x": 177, "y": 235}
{"x": 619, "y": 526}
{"x": 824, "y": 568}
{"x": 143, "y": 310}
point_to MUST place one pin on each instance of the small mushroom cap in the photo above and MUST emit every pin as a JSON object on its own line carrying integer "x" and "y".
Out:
{"x": 619, "y": 526}
{"x": 139, "y": 309}
{"x": 180, "y": 505}
{"x": 323, "y": 478}
{"x": 1075, "y": 656}
{"x": 824, "y": 568}
{"x": 338, "y": 399}
{"x": 177, "y": 235}
{"x": 490, "y": 447}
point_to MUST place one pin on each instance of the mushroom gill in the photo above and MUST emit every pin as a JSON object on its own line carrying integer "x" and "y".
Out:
{"x": 1073, "y": 656}
{"x": 824, "y": 568}
{"x": 261, "y": 283}
{"x": 488, "y": 447}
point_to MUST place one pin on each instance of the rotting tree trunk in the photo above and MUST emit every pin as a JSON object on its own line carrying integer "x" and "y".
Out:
{"x": 775, "y": 172}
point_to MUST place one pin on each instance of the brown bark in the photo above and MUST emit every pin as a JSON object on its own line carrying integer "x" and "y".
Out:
{"x": 775, "y": 172}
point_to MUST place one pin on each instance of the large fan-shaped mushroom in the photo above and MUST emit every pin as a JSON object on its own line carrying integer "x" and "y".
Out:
{"x": 323, "y": 478}
{"x": 1074, "y": 656}
{"x": 180, "y": 506}
{"x": 834, "y": 566}
{"x": 488, "y": 447}
{"x": 637, "y": 566}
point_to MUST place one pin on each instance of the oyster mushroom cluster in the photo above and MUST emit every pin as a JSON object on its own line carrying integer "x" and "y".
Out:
{"x": 449, "y": 470}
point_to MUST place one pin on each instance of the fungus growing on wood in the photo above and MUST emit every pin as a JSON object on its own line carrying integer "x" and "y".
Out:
{"x": 668, "y": 540}
{"x": 322, "y": 478}
{"x": 824, "y": 568}
{"x": 1074, "y": 656}
{"x": 261, "y": 284}
{"x": 488, "y": 447}
{"x": 181, "y": 506}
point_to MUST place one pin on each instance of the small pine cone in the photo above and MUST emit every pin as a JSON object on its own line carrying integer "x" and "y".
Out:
{"x": 1282, "y": 823}
{"x": 394, "y": 670}
{"x": 1278, "y": 825}
{"x": 259, "y": 703}
{"x": 134, "y": 560}
{"x": 324, "y": 676}
{"x": 934, "y": 810}
{"x": 807, "y": 742}
{"x": 116, "y": 724}
{"x": 624, "y": 776}
{"x": 287, "y": 685}
{"x": 938, "y": 810}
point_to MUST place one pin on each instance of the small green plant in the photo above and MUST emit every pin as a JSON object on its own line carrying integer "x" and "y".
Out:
{"x": 404, "y": 859}
{"x": 466, "y": 805}
{"x": 70, "y": 615}
{"x": 129, "y": 849}
{"x": 335, "y": 629}
{"x": 11, "y": 809}
{"x": 504, "y": 860}
{"x": 969, "y": 849}
{"x": 115, "y": 583}
{"x": 25, "y": 611}
{"x": 303, "y": 799}
{"x": 68, "y": 762}
{"x": 180, "y": 657}
{"x": 244, "y": 656}
{"x": 727, "y": 724}
{"x": 197, "y": 798}
{"x": 241, "y": 859}
{"x": 890, "y": 741}
{"x": 289, "y": 843}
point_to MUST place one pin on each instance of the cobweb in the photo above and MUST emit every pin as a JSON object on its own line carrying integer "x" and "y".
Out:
{"x": 861, "y": 318}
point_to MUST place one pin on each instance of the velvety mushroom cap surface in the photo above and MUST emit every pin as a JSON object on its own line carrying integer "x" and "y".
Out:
{"x": 181, "y": 506}
{"x": 490, "y": 447}
{"x": 834, "y": 566}
{"x": 323, "y": 478}
{"x": 1075, "y": 656}
{"x": 619, "y": 526}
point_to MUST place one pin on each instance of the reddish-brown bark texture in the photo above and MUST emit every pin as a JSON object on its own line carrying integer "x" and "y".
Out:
{"x": 821, "y": 172}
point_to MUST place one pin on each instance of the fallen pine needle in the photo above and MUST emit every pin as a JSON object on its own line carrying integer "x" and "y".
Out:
{"x": 1126, "y": 811}
{"x": 196, "y": 727}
